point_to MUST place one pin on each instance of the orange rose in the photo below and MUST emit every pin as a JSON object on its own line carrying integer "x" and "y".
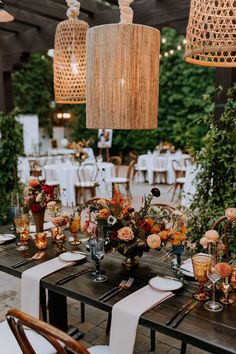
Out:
{"x": 104, "y": 213}
{"x": 183, "y": 228}
{"x": 164, "y": 235}
{"x": 33, "y": 182}
{"x": 224, "y": 269}
{"x": 126, "y": 234}
{"x": 155, "y": 229}
{"x": 150, "y": 222}
{"x": 154, "y": 241}
{"x": 178, "y": 236}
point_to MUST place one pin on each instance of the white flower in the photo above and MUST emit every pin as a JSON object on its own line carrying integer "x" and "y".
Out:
{"x": 111, "y": 220}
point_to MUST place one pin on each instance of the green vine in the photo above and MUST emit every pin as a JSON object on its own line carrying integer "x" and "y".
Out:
{"x": 11, "y": 146}
{"x": 216, "y": 181}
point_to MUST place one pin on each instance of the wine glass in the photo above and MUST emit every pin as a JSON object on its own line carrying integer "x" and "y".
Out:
{"x": 22, "y": 227}
{"x": 96, "y": 245}
{"x": 201, "y": 266}
{"x": 74, "y": 229}
{"x": 213, "y": 276}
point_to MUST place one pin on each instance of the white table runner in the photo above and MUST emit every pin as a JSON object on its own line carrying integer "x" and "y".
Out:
{"x": 125, "y": 317}
{"x": 30, "y": 284}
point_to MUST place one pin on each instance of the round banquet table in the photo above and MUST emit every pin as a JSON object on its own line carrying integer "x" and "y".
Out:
{"x": 147, "y": 160}
{"x": 66, "y": 175}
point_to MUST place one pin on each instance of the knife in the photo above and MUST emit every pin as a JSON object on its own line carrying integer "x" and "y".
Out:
{"x": 188, "y": 309}
{"x": 183, "y": 307}
{"x": 72, "y": 276}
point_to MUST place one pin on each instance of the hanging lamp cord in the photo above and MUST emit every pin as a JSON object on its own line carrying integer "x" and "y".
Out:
{"x": 74, "y": 9}
{"x": 126, "y": 13}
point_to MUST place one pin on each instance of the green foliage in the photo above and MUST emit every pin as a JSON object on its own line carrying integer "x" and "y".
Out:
{"x": 216, "y": 181}
{"x": 11, "y": 146}
{"x": 33, "y": 88}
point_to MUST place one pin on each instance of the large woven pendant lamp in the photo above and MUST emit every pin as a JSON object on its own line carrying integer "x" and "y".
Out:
{"x": 122, "y": 74}
{"x": 211, "y": 33}
{"x": 70, "y": 57}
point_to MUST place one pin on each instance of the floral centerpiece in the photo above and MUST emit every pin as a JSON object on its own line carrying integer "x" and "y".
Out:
{"x": 133, "y": 232}
{"x": 37, "y": 195}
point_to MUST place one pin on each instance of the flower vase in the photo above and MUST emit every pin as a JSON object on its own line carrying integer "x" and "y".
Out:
{"x": 39, "y": 220}
{"x": 130, "y": 261}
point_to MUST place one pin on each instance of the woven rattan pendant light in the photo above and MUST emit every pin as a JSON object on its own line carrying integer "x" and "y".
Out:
{"x": 70, "y": 57}
{"x": 122, "y": 74}
{"x": 211, "y": 33}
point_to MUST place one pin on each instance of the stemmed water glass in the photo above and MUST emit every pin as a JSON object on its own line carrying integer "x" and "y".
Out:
{"x": 213, "y": 276}
{"x": 22, "y": 227}
{"x": 96, "y": 245}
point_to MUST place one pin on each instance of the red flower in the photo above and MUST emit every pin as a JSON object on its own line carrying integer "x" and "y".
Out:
{"x": 113, "y": 235}
{"x": 145, "y": 226}
{"x": 47, "y": 189}
{"x": 36, "y": 208}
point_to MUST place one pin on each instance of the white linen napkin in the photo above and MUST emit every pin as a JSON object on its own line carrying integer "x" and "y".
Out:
{"x": 125, "y": 317}
{"x": 30, "y": 284}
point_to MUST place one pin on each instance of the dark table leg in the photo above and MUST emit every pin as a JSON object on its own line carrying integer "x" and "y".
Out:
{"x": 57, "y": 307}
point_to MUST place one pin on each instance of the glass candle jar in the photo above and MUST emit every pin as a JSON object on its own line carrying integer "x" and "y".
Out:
{"x": 41, "y": 240}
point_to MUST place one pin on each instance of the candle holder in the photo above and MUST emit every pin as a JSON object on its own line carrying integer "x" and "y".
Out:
{"x": 40, "y": 240}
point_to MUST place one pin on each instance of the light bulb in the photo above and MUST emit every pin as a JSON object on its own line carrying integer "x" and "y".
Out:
{"x": 74, "y": 65}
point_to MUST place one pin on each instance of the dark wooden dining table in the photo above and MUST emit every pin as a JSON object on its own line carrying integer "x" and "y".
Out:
{"x": 214, "y": 332}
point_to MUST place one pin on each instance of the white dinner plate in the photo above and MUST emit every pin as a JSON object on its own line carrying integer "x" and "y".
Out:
{"x": 165, "y": 284}
{"x": 6, "y": 238}
{"x": 72, "y": 256}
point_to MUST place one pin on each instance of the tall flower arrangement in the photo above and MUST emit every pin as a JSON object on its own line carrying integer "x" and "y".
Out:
{"x": 128, "y": 231}
{"x": 37, "y": 195}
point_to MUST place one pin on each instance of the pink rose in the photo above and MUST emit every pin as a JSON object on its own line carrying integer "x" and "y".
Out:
{"x": 212, "y": 235}
{"x": 230, "y": 213}
{"x": 154, "y": 241}
{"x": 126, "y": 234}
{"x": 204, "y": 242}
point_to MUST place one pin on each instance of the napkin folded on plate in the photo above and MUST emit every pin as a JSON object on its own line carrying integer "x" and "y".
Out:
{"x": 125, "y": 317}
{"x": 30, "y": 284}
{"x": 187, "y": 267}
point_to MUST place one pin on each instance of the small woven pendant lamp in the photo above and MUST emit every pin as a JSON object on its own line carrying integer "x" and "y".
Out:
{"x": 211, "y": 33}
{"x": 122, "y": 74}
{"x": 70, "y": 57}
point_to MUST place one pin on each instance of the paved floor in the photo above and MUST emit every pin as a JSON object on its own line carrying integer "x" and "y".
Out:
{"x": 95, "y": 324}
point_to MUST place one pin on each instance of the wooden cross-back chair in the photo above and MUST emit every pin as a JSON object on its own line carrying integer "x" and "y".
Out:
{"x": 27, "y": 328}
{"x": 116, "y": 160}
{"x": 125, "y": 181}
{"x": 226, "y": 224}
{"x": 87, "y": 176}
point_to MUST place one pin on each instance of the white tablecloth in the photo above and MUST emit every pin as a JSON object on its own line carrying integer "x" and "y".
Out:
{"x": 189, "y": 187}
{"x": 147, "y": 160}
{"x": 66, "y": 175}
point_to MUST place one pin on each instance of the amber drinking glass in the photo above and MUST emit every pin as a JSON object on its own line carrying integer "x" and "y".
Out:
{"x": 22, "y": 227}
{"x": 74, "y": 229}
{"x": 201, "y": 266}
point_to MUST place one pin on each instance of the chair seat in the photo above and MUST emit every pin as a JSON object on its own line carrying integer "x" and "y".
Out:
{"x": 85, "y": 184}
{"x": 99, "y": 349}
{"x": 119, "y": 180}
{"x": 9, "y": 345}
{"x": 181, "y": 180}
{"x": 159, "y": 170}
{"x": 140, "y": 168}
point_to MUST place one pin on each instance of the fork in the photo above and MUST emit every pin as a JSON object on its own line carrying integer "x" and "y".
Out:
{"x": 122, "y": 283}
{"x": 37, "y": 256}
{"x": 127, "y": 285}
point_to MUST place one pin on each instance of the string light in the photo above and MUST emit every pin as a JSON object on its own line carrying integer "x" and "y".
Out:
{"x": 171, "y": 51}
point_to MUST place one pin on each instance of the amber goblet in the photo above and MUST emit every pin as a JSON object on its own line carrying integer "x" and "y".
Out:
{"x": 201, "y": 266}
{"x": 74, "y": 229}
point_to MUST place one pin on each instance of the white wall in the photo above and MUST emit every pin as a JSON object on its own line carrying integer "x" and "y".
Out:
{"x": 30, "y": 133}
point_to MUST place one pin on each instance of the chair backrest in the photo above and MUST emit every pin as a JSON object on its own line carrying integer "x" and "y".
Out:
{"x": 159, "y": 162}
{"x": 178, "y": 168}
{"x": 116, "y": 160}
{"x": 134, "y": 155}
{"x": 87, "y": 172}
{"x": 20, "y": 323}
{"x": 226, "y": 224}
{"x": 130, "y": 169}
{"x": 188, "y": 161}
